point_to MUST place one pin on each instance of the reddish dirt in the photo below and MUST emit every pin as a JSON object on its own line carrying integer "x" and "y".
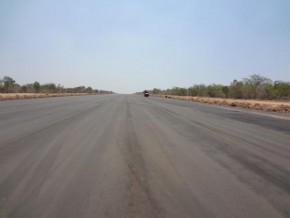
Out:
{"x": 15, "y": 96}
{"x": 275, "y": 106}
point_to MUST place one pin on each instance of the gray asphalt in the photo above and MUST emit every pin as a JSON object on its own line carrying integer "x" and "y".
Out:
{"x": 130, "y": 156}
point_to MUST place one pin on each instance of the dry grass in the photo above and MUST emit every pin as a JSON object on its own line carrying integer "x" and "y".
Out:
{"x": 15, "y": 96}
{"x": 274, "y": 106}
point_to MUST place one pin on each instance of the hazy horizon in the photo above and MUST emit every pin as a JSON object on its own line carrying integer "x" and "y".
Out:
{"x": 129, "y": 46}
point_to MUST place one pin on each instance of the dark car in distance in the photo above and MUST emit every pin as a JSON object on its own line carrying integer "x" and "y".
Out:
{"x": 146, "y": 93}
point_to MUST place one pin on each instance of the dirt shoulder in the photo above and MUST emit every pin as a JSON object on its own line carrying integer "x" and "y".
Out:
{"x": 274, "y": 106}
{"x": 15, "y": 96}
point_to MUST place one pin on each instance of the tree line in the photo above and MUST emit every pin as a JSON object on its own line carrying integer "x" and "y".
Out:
{"x": 9, "y": 85}
{"x": 252, "y": 87}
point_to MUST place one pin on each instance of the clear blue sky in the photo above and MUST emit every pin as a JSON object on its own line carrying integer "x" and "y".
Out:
{"x": 128, "y": 46}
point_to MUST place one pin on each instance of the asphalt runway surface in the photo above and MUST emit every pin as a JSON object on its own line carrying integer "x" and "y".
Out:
{"x": 131, "y": 156}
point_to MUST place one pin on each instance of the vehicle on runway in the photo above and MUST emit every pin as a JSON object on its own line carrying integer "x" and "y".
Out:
{"x": 146, "y": 93}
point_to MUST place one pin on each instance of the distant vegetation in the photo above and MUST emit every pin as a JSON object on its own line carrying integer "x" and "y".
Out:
{"x": 253, "y": 87}
{"x": 9, "y": 85}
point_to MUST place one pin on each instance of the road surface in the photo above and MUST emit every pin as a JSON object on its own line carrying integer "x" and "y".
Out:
{"x": 130, "y": 156}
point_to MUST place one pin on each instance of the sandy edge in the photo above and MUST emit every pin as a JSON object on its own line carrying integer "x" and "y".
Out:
{"x": 274, "y": 106}
{"x": 15, "y": 96}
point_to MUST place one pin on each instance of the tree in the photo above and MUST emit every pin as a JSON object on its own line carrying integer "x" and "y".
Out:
{"x": 156, "y": 91}
{"x": 179, "y": 91}
{"x": 1, "y": 85}
{"x": 256, "y": 80}
{"x": 198, "y": 90}
{"x": 23, "y": 89}
{"x": 59, "y": 89}
{"x": 49, "y": 87}
{"x": 253, "y": 84}
{"x": 236, "y": 89}
{"x": 89, "y": 90}
{"x": 215, "y": 90}
{"x": 79, "y": 89}
{"x": 282, "y": 89}
{"x": 36, "y": 86}
{"x": 226, "y": 91}
{"x": 266, "y": 91}
{"x": 8, "y": 84}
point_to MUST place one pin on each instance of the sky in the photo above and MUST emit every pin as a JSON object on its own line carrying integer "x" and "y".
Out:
{"x": 129, "y": 45}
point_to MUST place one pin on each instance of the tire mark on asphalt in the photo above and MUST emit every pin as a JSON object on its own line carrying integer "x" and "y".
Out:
{"x": 131, "y": 151}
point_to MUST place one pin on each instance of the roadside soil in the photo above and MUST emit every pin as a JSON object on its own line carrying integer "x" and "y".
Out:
{"x": 15, "y": 96}
{"x": 274, "y": 106}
